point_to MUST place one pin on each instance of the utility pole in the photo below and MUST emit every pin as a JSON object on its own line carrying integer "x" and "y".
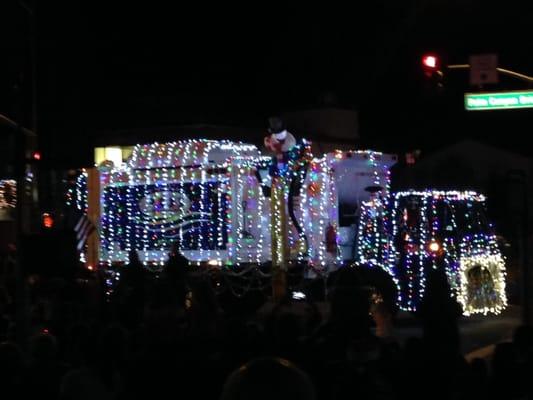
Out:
{"x": 22, "y": 310}
{"x": 29, "y": 7}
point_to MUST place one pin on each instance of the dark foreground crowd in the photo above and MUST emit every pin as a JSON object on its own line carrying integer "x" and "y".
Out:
{"x": 172, "y": 337}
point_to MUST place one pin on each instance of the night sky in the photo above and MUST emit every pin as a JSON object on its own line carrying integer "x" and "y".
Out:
{"x": 142, "y": 66}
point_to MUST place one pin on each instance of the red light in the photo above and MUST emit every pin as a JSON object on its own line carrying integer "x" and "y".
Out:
{"x": 48, "y": 221}
{"x": 430, "y": 61}
{"x": 36, "y": 155}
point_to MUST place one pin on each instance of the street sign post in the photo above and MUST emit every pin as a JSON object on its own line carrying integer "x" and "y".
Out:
{"x": 483, "y": 69}
{"x": 498, "y": 100}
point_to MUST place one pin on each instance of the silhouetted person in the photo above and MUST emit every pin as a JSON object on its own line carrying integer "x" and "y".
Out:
{"x": 204, "y": 313}
{"x": 130, "y": 294}
{"x": 287, "y": 330}
{"x": 45, "y": 370}
{"x": 505, "y": 377}
{"x": 175, "y": 271}
{"x": 523, "y": 343}
{"x": 133, "y": 273}
{"x": 439, "y": 313}
{"x": 8, "y": 272}
{"x": 267, "y": 379}
{"x": 478, "y": 380}
{"x": 523, "y": 340}
{"x": 100, "y": 375}
{"x": 11, "y": 371}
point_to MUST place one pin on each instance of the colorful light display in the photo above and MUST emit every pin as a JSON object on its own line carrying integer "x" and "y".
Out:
{"x": 436, "y": 229}
{"x": 213, "y": 197}
{"x": 181, "y": 191}
{"x": 209, "y": 196}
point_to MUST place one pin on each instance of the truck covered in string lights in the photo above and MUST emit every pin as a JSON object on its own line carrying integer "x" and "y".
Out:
{"x": 410, "y": 233}
{"x": 215, "y": 198}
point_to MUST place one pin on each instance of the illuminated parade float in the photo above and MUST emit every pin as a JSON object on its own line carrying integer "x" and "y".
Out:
{"x": 226, "y": 204}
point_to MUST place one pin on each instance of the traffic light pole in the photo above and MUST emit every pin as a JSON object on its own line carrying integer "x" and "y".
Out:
{"x": 508, "y": 72}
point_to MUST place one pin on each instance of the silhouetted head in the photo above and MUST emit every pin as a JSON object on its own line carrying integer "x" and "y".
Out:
{"x": 345, "y": 277}
{"x": 204, "y": 301}
{"x": 288, "y": 327}
{"x": 349, "y": 304}
{"x": 175, "y": 248}
{"x": 504, "y": 359}
{"x": 523, "y": 338}
{"x": 134, "y": 257}
{"x": 44, "y": 348}
{"x": 268, "y": 378}
{"x": 11, "y": 360}
{"x": 479, "y": 369}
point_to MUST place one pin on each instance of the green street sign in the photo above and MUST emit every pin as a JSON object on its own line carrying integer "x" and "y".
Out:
{"x": 498, "y": 100}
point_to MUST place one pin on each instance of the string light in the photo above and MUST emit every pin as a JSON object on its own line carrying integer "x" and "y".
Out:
{"x": 416, "y": 225}
{"x": 166, "y": 191}
{"x": 208, "y": 194}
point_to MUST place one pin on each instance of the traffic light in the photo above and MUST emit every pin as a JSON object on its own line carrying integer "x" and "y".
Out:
{"x": 432, "y": 67}
{"x": 430, "y": 63}
{"x": 33, "y": 157}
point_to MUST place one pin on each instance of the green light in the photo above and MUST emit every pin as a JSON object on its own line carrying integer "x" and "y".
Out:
{"x": 498, "y": 101}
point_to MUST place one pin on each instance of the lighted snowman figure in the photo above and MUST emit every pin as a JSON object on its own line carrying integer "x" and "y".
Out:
{"x": 280, "y": 141}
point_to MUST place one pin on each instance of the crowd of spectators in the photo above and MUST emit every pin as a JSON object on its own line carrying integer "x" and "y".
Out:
{"x": 169, "y": 335}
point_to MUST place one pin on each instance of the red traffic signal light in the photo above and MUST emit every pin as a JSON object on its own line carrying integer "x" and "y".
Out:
{"x": 430, "y": 61}
{"x": 432, "y": 67}
{"x": 36, "y": 155}
{"x": 431, "y": 64}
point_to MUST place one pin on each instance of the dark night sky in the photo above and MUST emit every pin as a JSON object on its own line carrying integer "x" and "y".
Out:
{"x": 145, "y": 65}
